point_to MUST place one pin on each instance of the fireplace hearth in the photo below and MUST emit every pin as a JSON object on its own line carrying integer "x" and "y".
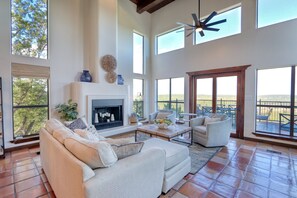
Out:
{"x": 107, "y": 113}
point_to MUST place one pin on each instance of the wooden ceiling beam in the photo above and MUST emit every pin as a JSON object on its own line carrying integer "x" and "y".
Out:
{"x": 150, "y": 5}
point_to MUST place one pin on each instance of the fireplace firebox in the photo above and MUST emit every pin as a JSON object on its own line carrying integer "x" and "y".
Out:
{"x": 107, "y": 113}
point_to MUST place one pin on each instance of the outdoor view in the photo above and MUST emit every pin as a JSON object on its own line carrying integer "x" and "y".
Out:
{"x": 138, "y": 97}
{"x": 171, "y": 94}
{"x": 226, "y": 96}
{"x": 274, "y": 101}
{"x": 30, "y": 105}
{"x": 29, "y": 28}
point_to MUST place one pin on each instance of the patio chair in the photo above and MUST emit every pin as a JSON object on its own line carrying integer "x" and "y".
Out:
{"x": 265, "y": 117}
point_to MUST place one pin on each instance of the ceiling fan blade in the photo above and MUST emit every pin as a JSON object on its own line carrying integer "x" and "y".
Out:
{"x": 201, "y": 33}
{"x": 190, "y": 33}
{"x": 185, "y": 24}
{"x": 196, "y": 20}
{"x": 210, "y": 17}
{"x": 211, "y": 29}
{"x": 216, "y": 22}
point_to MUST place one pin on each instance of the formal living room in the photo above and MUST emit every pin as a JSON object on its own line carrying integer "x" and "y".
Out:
{"x": 148, "y": 98}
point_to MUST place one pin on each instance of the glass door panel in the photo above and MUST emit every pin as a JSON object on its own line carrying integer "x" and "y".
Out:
{"x": 227, "y": 98}
{"x": 204, "y": 96}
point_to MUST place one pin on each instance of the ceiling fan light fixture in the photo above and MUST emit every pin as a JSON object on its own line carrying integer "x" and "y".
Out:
{"x": 199, "y": 29}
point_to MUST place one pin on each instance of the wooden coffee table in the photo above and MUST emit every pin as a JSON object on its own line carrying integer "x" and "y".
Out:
{"x": 171, "y": 132}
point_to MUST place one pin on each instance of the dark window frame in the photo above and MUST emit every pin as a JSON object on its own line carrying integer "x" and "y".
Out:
{"x": 29, "y": 107}
{"x": 291, "y": 107}
{"x": 170, "y": 101}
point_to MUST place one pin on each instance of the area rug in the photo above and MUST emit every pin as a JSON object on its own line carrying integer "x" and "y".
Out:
{"x": 199, "y": 154}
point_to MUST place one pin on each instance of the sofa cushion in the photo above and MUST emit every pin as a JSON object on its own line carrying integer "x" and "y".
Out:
{"x": 175, "y": 153}
{"x": 96, "y": 154}
{"x": 53, "y": 124}
{"x": 89, "y": 133}
{"x": 62, "y": 133}
{"x": 126, "y": 150}
{"x": 208, "y": 120}
{"x": 200, "y": 129}
{"x": 120, "y": 141}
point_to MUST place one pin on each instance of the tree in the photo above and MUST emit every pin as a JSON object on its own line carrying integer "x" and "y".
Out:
{"x": 29, "y": 28}
{"x": 30, "y": 102}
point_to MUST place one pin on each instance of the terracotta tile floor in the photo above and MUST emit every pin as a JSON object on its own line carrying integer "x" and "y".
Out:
{"x": 21, "y": 175}
{"x": 241, "y": 169}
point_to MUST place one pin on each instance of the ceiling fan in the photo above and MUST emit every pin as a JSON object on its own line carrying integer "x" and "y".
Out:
{"x": 202, "y": 25}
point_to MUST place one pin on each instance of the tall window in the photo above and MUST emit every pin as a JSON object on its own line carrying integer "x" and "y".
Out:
{"x": 170, "y": 41}
{"x": 275, "y": 11}
{"x": 29, "y": 28}
{"x": 30, "y": 99}
{"x": 276, "y": 104}
{"x": 138, "y": 53}
{"x": 170, "y": 94}
{"x": 231, "y": 27}
{"x": 138, "y": 97}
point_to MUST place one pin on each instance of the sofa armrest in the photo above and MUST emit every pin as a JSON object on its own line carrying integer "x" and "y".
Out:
{"x": 139, "y": 175}
{"x": 152, "y": 117}
{"x": 196, "y": 121}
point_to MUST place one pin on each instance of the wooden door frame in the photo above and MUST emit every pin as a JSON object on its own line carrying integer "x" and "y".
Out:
{"x": 239, "y": 71}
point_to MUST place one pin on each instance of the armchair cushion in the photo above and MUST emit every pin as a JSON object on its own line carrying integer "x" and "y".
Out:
{"x": 208, "y": 120}
{"x": 200, "y": 129}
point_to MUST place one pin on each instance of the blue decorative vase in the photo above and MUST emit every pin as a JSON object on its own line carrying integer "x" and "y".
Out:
{"x": 86, "y": 76}
{"x": 120, "y": 80}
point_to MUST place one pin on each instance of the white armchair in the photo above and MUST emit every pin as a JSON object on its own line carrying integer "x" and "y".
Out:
{"x": 214, "y": 132}
{"x": 162, "y": 114}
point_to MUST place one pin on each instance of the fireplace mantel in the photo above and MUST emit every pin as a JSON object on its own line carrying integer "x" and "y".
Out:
{"x": 83, "y": 93}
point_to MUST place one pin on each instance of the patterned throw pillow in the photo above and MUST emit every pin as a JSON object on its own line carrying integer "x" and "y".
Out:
{"x": 126, "y": 150}
{"x": 77, "y": 124}
{"x": 89, "y": 133}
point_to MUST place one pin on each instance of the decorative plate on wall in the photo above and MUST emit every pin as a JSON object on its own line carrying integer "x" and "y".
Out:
{"x": 108, "y": 63}
{"x": 111, "y": 77}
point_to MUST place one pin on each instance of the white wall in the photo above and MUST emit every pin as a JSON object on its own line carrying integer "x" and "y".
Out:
{"x": 128, "y": 21}
{"x": 272, "y": 46}
{"x": 65, "y": 54}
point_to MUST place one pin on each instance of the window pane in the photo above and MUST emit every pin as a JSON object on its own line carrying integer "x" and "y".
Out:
{"x": 30, "y": 105}
{"x": 275, "y": 11}
{"x": 138, "y": 97}
{"x": 204, "y": 96}
{"x": 163, "y": 93}
{"x": 231, "y": 27}
{"x": 30, "y": 91}
{"x": 273, "y": 100}
{"x": 177, "y": 94}
{"x": 29, "y": 28}
{"x": 28, "y": 121}
{"x": 137, "y": 53}
{"x": 227, "y": 97}
{"x": 171, "y": 41}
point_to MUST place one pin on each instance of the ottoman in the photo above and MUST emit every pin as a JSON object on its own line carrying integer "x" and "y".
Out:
{"x": 177, "y": 162}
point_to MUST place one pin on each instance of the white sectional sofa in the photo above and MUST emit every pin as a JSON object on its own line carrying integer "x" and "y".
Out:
{"x": 157, "y": 168}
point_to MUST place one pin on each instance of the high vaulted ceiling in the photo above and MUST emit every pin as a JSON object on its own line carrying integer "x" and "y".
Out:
{"x": 150, "y": 5}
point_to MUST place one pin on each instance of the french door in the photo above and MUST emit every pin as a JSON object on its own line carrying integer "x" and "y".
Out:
{"x": 220, "y": 91}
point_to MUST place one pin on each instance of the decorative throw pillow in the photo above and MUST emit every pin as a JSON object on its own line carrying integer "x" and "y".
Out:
{"x": 94, "y": 154}
{"x": 126, "y": 150}
{"x": 77, "y": 124}
{"x": 61, "y": 134}
{"x": 52, "y": 125}
{"x": 91, "y": 129}
{"x": 162, "y": 115}
{"x": 208, "y": 120}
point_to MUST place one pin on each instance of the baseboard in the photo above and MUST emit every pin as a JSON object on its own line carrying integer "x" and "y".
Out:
{"x": 271, "y": 142}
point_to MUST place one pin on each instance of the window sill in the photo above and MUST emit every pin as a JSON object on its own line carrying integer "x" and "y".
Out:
{"x": 275, "y": 136}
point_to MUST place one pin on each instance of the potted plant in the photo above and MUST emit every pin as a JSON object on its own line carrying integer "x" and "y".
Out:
{"x": 67, "y": 111}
